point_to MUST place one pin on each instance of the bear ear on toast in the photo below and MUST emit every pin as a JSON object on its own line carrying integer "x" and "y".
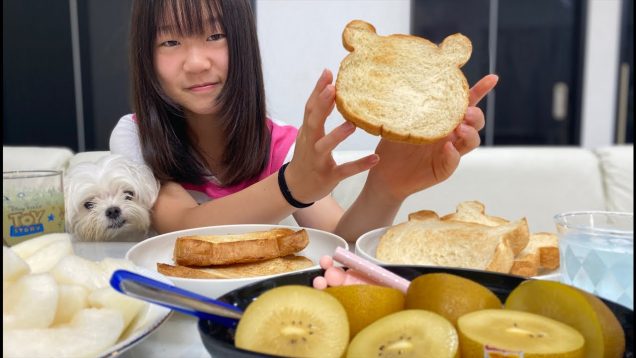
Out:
{"x": 457, "y": 48}
{"x": 402, "y": 87}
{"x": 474, "y": 211}
{"x": 355, "y": 32}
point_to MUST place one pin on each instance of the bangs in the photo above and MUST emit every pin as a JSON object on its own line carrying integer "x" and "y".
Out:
{"x": 188, "y": 17}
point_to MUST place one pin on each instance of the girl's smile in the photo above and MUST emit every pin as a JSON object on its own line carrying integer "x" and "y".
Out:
{"x": 204, "y": 87}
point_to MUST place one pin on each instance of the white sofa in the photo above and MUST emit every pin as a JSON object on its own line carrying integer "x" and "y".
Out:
{"x": 513, "y": 182}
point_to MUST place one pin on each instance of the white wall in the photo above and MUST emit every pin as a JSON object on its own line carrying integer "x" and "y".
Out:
{"x": 600, "y": 72}
{"x": 299, "y": 38}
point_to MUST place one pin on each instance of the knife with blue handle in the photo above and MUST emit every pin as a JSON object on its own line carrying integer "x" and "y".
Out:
{"x": 178, "y": 299}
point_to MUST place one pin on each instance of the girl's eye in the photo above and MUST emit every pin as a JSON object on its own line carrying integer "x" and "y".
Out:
{"x": 89, "y": 205}
{"x": 216, "y": 37}
{"x": 170, "y": 43}
{"x": 129, "y": 195}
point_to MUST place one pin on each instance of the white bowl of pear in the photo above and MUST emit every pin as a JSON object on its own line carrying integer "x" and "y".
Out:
{"x": 58, "y": 304}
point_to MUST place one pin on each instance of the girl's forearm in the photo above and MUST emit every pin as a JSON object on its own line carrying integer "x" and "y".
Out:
{"x": 261, "y": 203}
{"x": 372, "y": 209}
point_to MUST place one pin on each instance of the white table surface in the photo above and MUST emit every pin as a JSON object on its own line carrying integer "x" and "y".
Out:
{"x": 178, "y": 337}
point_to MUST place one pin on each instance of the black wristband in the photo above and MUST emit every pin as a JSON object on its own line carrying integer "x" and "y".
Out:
{"x": 282, "y": 184}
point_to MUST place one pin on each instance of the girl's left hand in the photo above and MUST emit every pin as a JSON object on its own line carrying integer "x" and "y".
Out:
{"x": 408, "y": 168}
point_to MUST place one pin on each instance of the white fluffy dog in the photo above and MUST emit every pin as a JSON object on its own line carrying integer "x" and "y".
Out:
{"x": 109, "y": 200}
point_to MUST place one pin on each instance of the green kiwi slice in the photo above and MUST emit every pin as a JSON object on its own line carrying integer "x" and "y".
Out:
{"x": 295, "y": 321}
{"x": 408, "y": 333}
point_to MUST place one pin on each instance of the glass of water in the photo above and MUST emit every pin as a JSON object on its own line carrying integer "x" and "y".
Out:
{"x": 597, "y": 253}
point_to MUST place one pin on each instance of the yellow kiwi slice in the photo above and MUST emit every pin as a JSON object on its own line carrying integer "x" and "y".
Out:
{"x": 408, "y": 333}
{"x": 295, "y": 321}
{"x": 516, "y": 331}
{"x": 604, "y": 336}
{"x": 366, "y": 303}
{"x": 449, "y": 295}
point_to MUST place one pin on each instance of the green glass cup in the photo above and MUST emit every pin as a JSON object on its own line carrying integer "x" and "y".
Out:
{"x": 32, "y": 205}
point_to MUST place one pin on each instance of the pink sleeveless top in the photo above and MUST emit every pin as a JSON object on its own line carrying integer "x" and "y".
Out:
{"x": 283, "y": 137}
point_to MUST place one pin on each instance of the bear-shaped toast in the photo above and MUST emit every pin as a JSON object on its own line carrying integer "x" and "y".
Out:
{"x": 402, "y": 87}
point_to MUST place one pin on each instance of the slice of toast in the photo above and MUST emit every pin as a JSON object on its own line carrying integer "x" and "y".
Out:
{"x": 206, "y": 250}
{"x": 402, "y": 87}
{"x": 427, "y": 240}
{"x": 252, "y": 269}
{"x": 473, "y": 213}
{"x": 541, "y": 253}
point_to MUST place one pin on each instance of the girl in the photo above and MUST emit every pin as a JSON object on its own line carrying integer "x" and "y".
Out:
{"x": 200, "y": 124}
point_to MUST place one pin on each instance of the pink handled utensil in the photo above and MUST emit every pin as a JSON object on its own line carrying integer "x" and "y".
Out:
{"x": 370, "y": 270}
{"x": 336, "y": 276}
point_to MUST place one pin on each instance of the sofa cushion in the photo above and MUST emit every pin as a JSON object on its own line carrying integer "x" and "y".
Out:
{"x": 617, "y": 166}
{"x": 512, "y": 182}
{"x": 35, "y": 158}
{"x": 91, "y": 156}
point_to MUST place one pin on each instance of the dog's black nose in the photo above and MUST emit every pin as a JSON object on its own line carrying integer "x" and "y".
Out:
{"x": 113, "y": 212}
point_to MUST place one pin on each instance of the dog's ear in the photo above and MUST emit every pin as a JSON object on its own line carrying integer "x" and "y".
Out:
{"x": 139, "y": 175}
{"x": 77, "y": 179}
{"x": 148, "y": 185}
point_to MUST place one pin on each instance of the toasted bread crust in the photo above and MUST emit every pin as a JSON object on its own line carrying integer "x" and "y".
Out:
{"x": 549, "y": 257}
{"x": 541, "y": 254}
{"x": 525, "y": 265}
{"x": 202, "y": 251}
{"x": 252, "y": 269}
{"x": 402, "y": 87}
{"x": 502, "y": 259}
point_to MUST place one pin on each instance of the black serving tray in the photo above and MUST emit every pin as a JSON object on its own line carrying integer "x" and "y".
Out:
{"x": 219, "y": 341}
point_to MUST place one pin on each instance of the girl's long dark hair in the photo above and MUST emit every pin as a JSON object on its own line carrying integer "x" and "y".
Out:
{"x": 165, "y": 144}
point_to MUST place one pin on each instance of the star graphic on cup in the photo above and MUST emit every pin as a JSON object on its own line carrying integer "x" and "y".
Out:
{"x": 51, "y": 217}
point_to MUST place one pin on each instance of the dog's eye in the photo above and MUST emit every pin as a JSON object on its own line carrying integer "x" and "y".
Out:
{"x": 129, "y": 195}
{"x": 89, "y": 205}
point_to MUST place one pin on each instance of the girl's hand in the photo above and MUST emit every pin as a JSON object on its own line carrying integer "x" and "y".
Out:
{"x": 407, "y": 168}
{"x": 313, "y": 173}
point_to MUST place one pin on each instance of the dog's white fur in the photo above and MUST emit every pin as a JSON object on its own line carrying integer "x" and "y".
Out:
{"x": 99, "y": 204}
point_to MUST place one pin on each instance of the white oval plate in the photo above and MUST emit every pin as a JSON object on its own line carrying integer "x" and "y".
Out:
{"x": 147, "y": 320}
{"x": 367, "y": 245}
{"x": 159, "y": 249}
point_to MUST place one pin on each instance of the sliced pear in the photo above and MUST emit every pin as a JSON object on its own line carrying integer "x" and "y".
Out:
{"x": 90, "y": 332}
{"x": 13, "y": 267}
{"x": 110, "y": 265}
{"x": 604, "y": 335}
{"x": 296, "y": 321}
{"x": 75, "y": 270}
{"x": 516, "y": 331}
{"x": 27, "y": 248}
{"x": 72, "y": 299}
{"x": 44, "y": 259}
{"x": 408, "y": 333}
{"x": 366, "y": 303}
{"x": 30, "y": 302}
{"x": 449, "y": 295}
{"x": 107, "y": 297}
